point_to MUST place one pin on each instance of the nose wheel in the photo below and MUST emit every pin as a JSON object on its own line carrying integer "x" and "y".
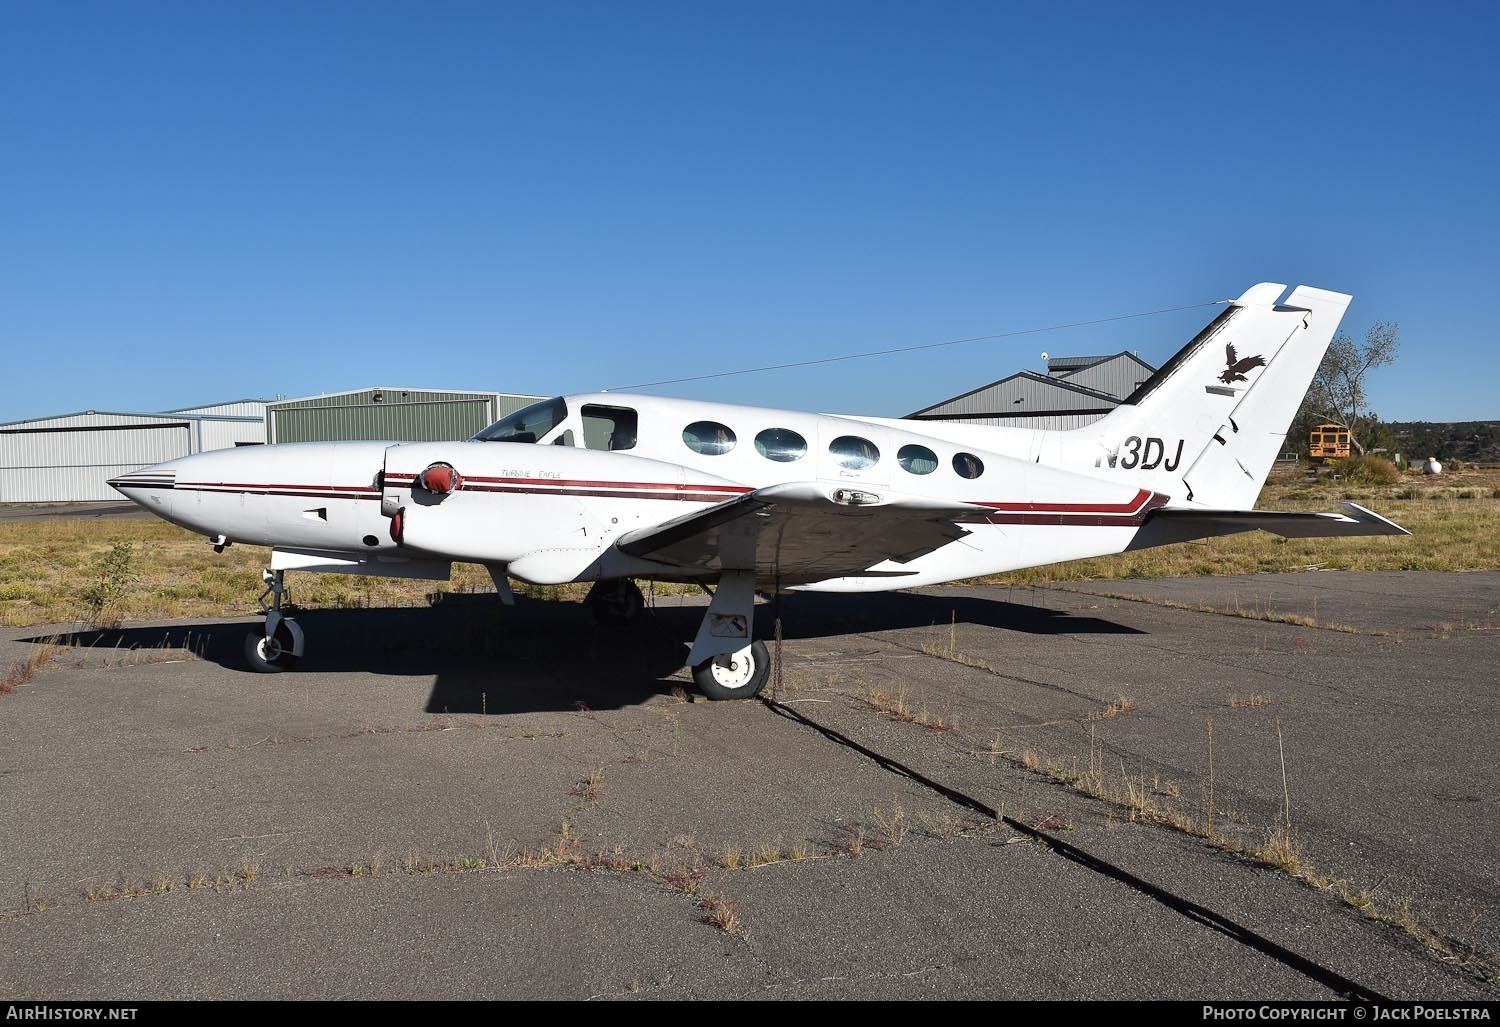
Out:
{"x": 278, "y": 645}
{"x": 271, "y": 654}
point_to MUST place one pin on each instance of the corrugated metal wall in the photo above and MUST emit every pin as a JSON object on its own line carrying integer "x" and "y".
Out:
{"x": 226, "y": 434}
{"x": 1119, "y": 375}
{"x": 509, "y": 404}
{"x": 403, "y": 415}
{"x": 1018, "y": 394}
{"x": 70, "y": 466}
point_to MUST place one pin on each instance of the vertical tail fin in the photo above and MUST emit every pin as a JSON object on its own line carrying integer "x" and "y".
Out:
{"x": 1208, "y": 426}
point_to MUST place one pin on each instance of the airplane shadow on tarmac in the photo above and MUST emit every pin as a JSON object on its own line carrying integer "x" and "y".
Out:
{"x": 542, "y": 656}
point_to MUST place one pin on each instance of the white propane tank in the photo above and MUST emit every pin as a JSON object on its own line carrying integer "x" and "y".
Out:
{"x": 1431, "y": 466}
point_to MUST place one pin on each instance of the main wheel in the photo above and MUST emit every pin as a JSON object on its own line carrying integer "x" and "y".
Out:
{"x": 616, "y": 602}
{"x": 270, "y": 655}
{"x": 738, "y": 675}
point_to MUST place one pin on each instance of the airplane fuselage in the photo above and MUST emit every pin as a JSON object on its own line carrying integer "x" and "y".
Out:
{"x": 549, "y": 511}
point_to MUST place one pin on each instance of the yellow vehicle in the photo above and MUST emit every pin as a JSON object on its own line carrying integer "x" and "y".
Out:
{"x": 1328, "y": 442}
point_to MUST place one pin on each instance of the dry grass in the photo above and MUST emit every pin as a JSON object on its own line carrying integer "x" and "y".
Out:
{"x": 50, "y": 573}
{"x": 898, "y": 708}
{"x": 891, "y": 828}
{"x": 41, "y": 654}
{"x": 591, "y": 788}
{"x": 894, "y": 706}
{"x": 949, "y": 650}
{"x": 1121, "y": 705}
{"x": 765, "y": 856}
{"x": 722, "y": 913}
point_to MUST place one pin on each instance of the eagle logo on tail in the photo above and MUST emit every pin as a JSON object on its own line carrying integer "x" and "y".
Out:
{"x": 1235, "y": 371}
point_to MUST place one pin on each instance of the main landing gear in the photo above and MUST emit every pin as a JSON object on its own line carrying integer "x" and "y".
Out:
{"x": 276, "y": 647}
{"x": 727, "y": 663}
{"x": 616, "y": 602}
{"x": 737, "y": 675}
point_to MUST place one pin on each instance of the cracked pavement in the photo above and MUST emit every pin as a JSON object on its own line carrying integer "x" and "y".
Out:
{"x": 466, "y": 801}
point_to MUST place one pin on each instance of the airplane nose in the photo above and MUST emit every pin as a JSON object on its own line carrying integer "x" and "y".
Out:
{"x": 150, "y": 487}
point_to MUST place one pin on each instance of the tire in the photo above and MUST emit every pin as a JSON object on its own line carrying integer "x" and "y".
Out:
{"x": 273, "y": 655}
{"x": 729, "y": 677}
{"x": 616, "y": 602}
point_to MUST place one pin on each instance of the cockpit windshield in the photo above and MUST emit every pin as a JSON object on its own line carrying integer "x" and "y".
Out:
{"x": 529, "y": 424}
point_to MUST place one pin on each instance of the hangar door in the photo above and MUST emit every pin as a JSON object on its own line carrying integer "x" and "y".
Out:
{"x": 71, "y": 465}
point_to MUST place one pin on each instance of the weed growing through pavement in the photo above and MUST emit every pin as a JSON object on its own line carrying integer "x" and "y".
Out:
{"x": 41, "y": 654}
{"x": 722, "y": 913}
{"x": 591, "y": 788}
{"x": 1121, "y": 705}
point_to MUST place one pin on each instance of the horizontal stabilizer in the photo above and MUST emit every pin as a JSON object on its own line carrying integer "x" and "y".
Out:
{"x": 1183, "y": 525}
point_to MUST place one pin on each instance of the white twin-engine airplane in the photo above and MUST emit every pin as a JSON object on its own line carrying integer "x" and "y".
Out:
{"x": 609, "y": 488}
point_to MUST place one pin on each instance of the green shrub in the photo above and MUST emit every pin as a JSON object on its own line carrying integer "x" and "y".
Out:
{"x": 1369, "y": 470}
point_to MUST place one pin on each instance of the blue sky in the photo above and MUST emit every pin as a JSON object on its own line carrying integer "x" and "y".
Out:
{"x": 201, "y": 202}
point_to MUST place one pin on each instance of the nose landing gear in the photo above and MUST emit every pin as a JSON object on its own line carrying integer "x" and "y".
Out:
{"x": 276, "y": 647}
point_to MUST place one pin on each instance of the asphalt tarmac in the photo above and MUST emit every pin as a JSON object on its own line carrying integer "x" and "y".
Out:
{"x": 960, "y": 792}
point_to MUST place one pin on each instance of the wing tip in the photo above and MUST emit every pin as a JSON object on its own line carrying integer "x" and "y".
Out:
{"x": 1370, "y": 517}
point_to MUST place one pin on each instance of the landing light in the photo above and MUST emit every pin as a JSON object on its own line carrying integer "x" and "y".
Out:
{"x": 852, "y": 497}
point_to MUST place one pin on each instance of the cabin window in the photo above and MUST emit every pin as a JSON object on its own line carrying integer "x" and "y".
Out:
{"x": 967, "y": 465}
{"x": 853, "y": 452}
{"x": 527, "y": 424}
{"x": 708, "y": 437}
{"x": 609, "y": 428}
{"x": 781, "y": 444}
{"x": 917, "y": 459}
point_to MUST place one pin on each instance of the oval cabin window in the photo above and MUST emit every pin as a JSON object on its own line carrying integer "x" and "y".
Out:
{"x": 853, "y": 452}
{"x": 967, "y": 465}
{"x": 781, "y": 444}
{"x": 917, "y": 459}
{"x": 708, "y": 437}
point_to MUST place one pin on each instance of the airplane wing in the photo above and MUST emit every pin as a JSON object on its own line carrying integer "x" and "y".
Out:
{"x": 1181, "y": 525}
{"x": 800, "y": 532}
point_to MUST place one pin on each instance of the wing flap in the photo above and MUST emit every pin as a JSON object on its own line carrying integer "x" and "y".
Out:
{"x": 799, "y": 532}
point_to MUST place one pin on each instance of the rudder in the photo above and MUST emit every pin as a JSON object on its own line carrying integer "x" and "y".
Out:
{"x": 1207, "y": 428}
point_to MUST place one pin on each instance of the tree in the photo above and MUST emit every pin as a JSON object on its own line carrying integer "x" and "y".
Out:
{"x": 1337, "y": 395}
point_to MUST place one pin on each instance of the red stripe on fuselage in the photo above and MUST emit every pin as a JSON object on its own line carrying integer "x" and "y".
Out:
{"x": 587, "y": 483}
{"x": 706, "y": 497}
{"x": 1132, "y": 506}
{"x": 1092, "y": 515}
